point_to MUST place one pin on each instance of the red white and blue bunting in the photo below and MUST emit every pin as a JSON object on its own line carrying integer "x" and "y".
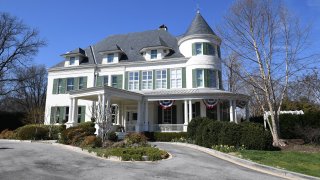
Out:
{"x": 210, "y": 103}
{"x": 166, "y": 103}
{"x": 241, "y": 104}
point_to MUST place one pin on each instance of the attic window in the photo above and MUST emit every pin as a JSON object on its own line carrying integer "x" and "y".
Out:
{"x": 110, "y": 58}
{"x": 72, "y": 60}
{"x": 154, "y": 54}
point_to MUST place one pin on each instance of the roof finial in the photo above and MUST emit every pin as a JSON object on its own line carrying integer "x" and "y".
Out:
{"x": 198, "y": 9}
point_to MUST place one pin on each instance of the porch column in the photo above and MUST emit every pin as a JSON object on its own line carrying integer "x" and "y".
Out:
{"x": 231, "y": 110}
{"x": 103, "y": 107}
{"x": 247, "y": 111}
{"x": 186, "y": 120}
{"x": 190, "y": 110}
{"x": 71, "y": 111}
{"x": 218, "y": 112}
{"x": 140, "y": 117}
{"x": 235, "y": 111}
{"x": 146, "y": 116}
{"x": 74, "y": 111}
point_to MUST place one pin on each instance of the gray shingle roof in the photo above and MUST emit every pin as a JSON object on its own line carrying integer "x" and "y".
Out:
{"x": 131, "y": 44}
{"x": 199, "y": 26}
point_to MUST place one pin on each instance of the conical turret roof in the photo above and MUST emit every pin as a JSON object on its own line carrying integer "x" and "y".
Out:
{"x": 199, "y": 26}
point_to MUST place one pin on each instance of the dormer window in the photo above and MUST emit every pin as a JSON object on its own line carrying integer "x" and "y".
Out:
{"x": 110, "y": 58}
{"x": 72, "y": 61}
{"x": 154, "y": 54}
{"x": 203, "y": 48}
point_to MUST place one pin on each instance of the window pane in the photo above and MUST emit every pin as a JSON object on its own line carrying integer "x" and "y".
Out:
{"x": 154, "y": 54}
{"x": 70, "y": 84}
{"x": 199, "y": 77}
{"x": 110, "y": 58}
{"x": 198, "y": 48}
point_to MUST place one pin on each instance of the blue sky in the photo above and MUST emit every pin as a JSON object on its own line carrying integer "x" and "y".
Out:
{"x": 68, "y": 24}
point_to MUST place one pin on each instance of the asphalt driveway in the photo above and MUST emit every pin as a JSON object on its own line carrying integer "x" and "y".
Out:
{"x": 32, "y": 161}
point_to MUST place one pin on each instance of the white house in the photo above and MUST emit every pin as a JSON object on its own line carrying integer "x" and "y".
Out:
{"x": 151, "y": 80}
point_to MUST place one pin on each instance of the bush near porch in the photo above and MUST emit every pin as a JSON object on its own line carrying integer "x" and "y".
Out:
{"x": 206, "y": 132}
{"x": 33, "y": 132}
{"x": 76, "y": 135}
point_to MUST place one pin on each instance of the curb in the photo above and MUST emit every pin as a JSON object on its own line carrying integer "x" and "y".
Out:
{"x": 248, "y": 164}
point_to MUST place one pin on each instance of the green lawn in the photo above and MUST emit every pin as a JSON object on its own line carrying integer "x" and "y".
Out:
{"x": 305, "y": 163}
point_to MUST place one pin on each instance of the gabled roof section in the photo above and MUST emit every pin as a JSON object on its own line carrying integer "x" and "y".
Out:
{"x": 199, "y": 26}
{"x": 77, "y": 51}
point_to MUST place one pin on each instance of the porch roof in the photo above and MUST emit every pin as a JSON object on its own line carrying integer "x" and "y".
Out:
{"x": 155, "y": 95}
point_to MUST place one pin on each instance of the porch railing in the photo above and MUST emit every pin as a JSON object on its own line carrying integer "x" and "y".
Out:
{"x": 168, "y": 127}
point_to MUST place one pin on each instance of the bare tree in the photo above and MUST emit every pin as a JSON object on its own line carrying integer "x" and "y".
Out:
{"x": 18, "y": 43}
{"x": 269, "y": 42}
{"x": 102, "y": 116}
{"x": 31, "y": 92}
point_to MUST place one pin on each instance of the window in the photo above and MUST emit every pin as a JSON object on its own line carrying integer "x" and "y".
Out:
{"x": 105, "y": 80}
{"x": 212, "y": 79}
{"x": 203, "y": 49}
{"x": 66, "y": 117}
{"x": 79, "y": 114}
{"x": 167, "y": 116}
{"x": 176, "y": 78}
{"x": 57, "y": 115}
{"x": 70, "y": 84}
{"x": 147, "y": 80}
{"x": 110, "y": 58}
{"x": 198, "y": 48}
{"x": 200, "y": 77}
{"x": 60, "y": 86}
{"x": 133, "y": 81}
{"x": 114, "y": 113}
{"x": 154, "y": 54}
{"x": 81, "y": 82}
{"x": 72, "y": 61}
{"x": 114, "y": 80}
{"x": 161, "y": 79}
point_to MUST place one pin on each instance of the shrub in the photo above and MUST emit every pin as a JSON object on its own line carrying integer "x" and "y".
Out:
{"x": 135, "y": 139}
{"x": 7, "y": 134}
{"x": 253, "y": 136}
{"x": 91, "y": 141}
{"x": 112, "y": 136}
{"x": 193, "y": 125}
{"x": 228, "y": 149}
{"x": 75, "y": 135}
{"x": 32, "y": 132}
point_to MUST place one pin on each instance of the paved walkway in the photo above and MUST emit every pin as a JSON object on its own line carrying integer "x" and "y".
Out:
{"x": 32, "y": 161}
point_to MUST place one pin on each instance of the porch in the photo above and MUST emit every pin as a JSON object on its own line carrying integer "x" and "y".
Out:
{"x": 142, "y": 111}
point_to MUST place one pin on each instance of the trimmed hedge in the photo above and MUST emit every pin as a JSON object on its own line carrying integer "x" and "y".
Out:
{"x": 165, "y": 136}
{"x": 32, "y": 132}
{"x": 76, "y": 135}
{"x": 210, "y": 133}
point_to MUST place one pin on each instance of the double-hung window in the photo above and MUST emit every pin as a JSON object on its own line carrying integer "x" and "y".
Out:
{"x": 60, "y": 86}
{"x": 70, "y": 84}
{"x": 200, "y": 77}
{"x": 110, "y": 58}
{"x": 72, "y": 61}
{"x": 198, "y": 47}
{"x": 176, "y": 78}
{"x": 81, "y": 82}
{"x": 161, "y": 79}
{"x": 203, "y": 48}
{"x": 212, "y": 79}
{"x": 147, "y": 80}
{"x": 154, "y": 54}
{"x": 114, "y": 81}
{"x": 133, "y": 81}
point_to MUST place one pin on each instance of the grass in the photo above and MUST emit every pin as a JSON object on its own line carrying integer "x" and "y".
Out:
{"x": 131, "y": 153}
{"x": 301, "y": 162}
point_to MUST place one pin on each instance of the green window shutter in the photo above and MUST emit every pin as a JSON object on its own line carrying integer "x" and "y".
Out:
{"x": 55, "y": 86}
{"x": 52, "y": 115}
{"x": 62, "y": 114}
{"x": 174, "y": 114}
{"x": 220, "y": 80}
{"x": 76, "y": 83}
{"x": 194, "y": 78}
{"x": 83, "y": 113}
{"x": 154, "y": 79}
{"x": 206, "y": 74}
{"x": 126, "y": 80}
{"x": 85, "y": 82}
{"x": 193, "y": 49}
{"x": 64, "y": 86}
{"x": 184, "y": 85}
{"x": 140, "y": 79}
{"x": 168, "y": 79}
{"x": 205, "y": 48}
{"x": 99, "y": 81}
{"x": 119, "y": 81}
